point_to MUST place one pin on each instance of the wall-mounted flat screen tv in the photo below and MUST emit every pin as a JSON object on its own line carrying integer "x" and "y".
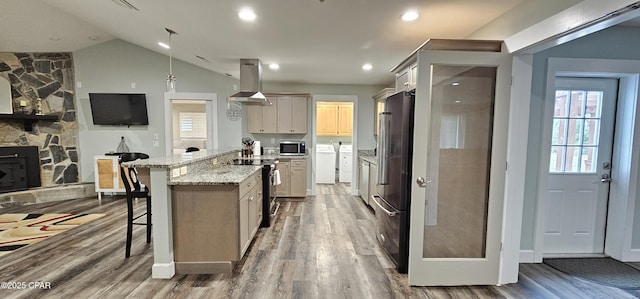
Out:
{"x": 118, "y": 109}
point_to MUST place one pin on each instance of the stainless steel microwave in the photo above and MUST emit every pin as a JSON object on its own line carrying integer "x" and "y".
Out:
{"x": 292, "y": 148}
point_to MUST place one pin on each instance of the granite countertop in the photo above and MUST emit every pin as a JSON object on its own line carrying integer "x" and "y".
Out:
{"x": 180, "y": 159}
{"x": 370, "y": 159}
{"x": 225, "y": 175}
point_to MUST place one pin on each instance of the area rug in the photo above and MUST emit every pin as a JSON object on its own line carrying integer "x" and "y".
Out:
{"x": 20, "y": 230}
{"x": 605, "y": 271}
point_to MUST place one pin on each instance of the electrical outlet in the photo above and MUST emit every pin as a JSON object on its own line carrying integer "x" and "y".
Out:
{"x": 133, "y": 85}
{"x": 214, "y": 161}
{"x": 183, "y": 170}
{"x": 175, "y": 172}
{"x": 273, "y": 141}
{"x": 78, "y": 84}
{"x": 156, "y": 143}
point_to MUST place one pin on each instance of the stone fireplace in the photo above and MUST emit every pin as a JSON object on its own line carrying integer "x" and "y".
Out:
{"x": 50, "y": 77}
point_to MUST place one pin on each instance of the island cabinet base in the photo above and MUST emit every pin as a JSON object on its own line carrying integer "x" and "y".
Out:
{"x": 213, "y": 225}
{"x": 204, "y": 267}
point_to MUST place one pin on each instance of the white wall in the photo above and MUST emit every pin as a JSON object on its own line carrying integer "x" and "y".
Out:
{"x": 520, "y": 17}
{"x": 112, "y": 67}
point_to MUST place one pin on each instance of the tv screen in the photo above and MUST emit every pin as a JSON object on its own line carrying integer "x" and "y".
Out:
{"x": 119, "y": 108}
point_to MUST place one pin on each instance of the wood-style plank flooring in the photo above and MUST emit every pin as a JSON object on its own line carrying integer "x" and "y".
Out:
{"x": 322, "y": 247}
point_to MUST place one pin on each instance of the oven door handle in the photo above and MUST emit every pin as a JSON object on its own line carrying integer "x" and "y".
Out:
{"x": 391, "y": 214}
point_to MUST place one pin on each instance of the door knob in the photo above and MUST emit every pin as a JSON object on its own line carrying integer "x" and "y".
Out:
{"x": 606, "y": 178}
{"x": 422, "y": 182}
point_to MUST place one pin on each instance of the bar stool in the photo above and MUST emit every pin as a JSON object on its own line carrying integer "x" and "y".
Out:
{"x": 134, "y": 189}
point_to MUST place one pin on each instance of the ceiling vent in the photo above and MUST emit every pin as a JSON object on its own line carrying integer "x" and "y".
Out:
{"x": 125, "y": 4}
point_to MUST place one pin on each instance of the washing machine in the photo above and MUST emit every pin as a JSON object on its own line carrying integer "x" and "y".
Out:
{"x": 346, "y": 163}
{"x": 325, "y": 164}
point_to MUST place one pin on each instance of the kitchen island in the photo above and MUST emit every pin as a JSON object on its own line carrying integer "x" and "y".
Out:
{"x": 192, "y": 178}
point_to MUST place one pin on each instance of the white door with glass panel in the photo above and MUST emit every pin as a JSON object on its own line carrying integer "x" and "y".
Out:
{"x": 459, "y": 158}
{"x": 580, "y": 165}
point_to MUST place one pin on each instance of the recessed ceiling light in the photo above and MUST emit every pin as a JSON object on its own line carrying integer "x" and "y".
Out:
{"x": 247, "y": 14}
{"x": 458, "y": 101}
{"x": 94, "y": 38}
{"x": 274, "y": 66}
{"x": 161, "y": 44}
{"x": 455, "y": 83}
{"x": 367, "y": 66}
{"x": 410, "y": 15}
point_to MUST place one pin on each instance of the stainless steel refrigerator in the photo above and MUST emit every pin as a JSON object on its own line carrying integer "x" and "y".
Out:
{"x": 393, "y": 198}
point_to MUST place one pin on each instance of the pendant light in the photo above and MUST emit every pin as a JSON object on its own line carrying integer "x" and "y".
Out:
{"x": 171, "y": 79}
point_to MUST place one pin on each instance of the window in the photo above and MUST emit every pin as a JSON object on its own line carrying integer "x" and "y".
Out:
{"x": 452, "y": 131}
{"x": 576, "y": 129}
{"x": 193, "y": 125}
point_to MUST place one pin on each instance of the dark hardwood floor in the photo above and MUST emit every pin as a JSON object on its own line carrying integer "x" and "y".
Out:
{"x": 322, "y": 247}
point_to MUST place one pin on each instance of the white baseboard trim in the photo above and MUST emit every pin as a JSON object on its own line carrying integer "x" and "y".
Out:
{"x": 527, "y": 257}
{"x": 163, "y": 271}
{"x": 634, "y": 256}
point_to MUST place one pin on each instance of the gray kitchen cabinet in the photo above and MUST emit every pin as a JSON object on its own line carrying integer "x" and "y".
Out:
{"x": 406, "y": 78}
{"x": 284, "y": 189}
{"x": 378, "y": 106}
{"x": 298, "y": 178}
{"x": 292, "y": 114}
{"x": 213, "y": 225}
{"x": 373, "y": 179}
{"x": 293, "y": 174}
{"x": 363, "y": 180}
{"x": 263, "y": 119}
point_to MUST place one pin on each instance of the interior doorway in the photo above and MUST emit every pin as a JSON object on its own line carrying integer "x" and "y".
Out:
{"x": 621, "y": 209}
{"x": 334, "y": 154}
{"x": 190, "y": 122}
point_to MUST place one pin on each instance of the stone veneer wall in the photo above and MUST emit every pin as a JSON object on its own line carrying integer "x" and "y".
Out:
{"x": 48, "y": 76}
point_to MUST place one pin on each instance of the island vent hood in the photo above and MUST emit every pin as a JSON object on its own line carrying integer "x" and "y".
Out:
{"x": 250, "y": 84}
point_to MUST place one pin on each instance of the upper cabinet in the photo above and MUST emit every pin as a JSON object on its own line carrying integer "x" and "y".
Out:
{"x": 326, "y": 116}
{"x": 378, "y": 106}
{"x": 292, "y": 114}
{"x": 334, "y": 119}
{"x": 406, "y": 78}
{"x": 287, "y": 114}
{"x": 345, "y": 119}
{"x": 263, "y": 119}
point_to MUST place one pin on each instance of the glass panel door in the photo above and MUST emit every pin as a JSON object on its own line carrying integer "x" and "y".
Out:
{"x": 462, "y": 101}
{"x": 459, "y": 158}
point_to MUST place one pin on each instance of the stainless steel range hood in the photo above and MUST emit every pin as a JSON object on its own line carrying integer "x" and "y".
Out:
{"x": 250, "y": 84}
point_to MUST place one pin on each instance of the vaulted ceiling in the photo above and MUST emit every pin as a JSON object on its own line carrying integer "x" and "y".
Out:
{"x": 313, "y": 41}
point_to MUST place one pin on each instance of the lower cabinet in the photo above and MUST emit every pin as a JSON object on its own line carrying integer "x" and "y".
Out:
{"x": 293, "y": 174}
{"x": 213, "y": 225}
{"x": 284, "y": 168}
{"x": 107, "y": 175}
{"x": 373, "y": 179}
{"x": 363, "y": 180}
{"x": 298, "y": 178}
